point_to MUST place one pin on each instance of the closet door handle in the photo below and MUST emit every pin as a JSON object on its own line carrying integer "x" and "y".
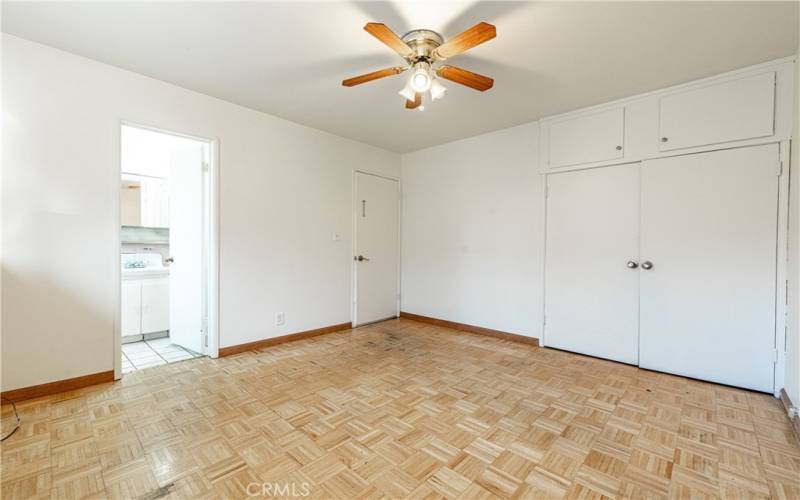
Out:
{"x": 632, "y": 264}
{"x": 647, "y": 265}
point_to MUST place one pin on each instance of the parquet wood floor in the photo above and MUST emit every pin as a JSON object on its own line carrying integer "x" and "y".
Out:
{"x": 402, "y": 409}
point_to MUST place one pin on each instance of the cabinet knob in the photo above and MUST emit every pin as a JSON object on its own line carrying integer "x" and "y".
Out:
{"x": 664, "y": 139}
{"x": 647, "y": 265}
{"x": 619, "y": 148}
{"x": 632, "y": 264}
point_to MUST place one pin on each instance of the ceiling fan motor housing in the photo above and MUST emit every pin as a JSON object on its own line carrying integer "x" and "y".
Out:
{"x": 423, "y": 43}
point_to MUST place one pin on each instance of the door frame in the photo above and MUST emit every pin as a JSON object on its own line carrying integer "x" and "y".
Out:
{"x": 353, "y": 267}
{"x": 782, "y": 258}
{"x": 211, "y": 246}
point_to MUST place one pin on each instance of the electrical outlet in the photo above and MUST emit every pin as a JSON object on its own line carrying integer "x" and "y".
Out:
{"x": 280, "y": 319}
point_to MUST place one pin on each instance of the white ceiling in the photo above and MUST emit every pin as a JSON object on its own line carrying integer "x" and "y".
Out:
{"x": 288, "y": 58}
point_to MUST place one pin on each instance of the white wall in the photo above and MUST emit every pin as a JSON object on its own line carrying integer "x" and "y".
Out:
{"x": 473, "y": 231}
{"x": 284, "y": 190}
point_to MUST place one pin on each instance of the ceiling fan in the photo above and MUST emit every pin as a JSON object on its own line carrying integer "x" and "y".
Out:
{"x": 423, "y": 50}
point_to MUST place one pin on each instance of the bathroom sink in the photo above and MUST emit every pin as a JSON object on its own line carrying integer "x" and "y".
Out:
{"x": 145, "y": 272}
{"x": 143, "y": 265}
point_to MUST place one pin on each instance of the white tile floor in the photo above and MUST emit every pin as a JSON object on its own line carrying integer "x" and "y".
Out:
{"x": 147, "y": 353}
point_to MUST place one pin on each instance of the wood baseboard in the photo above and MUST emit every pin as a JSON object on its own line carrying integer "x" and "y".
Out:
{"x": 70, "y": 384}
{"x": 787, "y": 404}
{"x": 258, "y": 344}
{"x": 514, "y": 337}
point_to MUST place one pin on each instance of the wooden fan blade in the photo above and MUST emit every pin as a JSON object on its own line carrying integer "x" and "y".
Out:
{"x": 387, "y": 36}
{"x": 464, "y": 77}
{"x": 381, "y": 73}
{"x": 415, "y": 103}
{"x": 481, "y": 32}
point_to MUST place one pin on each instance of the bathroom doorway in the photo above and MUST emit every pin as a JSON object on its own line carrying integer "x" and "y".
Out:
{"x": 167, "y": 246}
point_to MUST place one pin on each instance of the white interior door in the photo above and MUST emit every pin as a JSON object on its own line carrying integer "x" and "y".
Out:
{"x": 186, "y": 248}
{"x": 709, "y": 225}
{"x": 591, "y": 295}
{"x": 376, "y": 248}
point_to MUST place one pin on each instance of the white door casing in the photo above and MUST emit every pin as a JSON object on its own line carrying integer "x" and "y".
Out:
{"x": 591, "y": 295}
{"x": 708, "y": 303}
{"x": 186, "y": 248}
{"x": 377, "y": 242}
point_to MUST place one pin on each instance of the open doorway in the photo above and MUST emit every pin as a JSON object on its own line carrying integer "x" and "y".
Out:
{"x": 167, "y": 249}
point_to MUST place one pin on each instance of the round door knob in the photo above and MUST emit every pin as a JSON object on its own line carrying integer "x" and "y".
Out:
{"x": 632, "y": 264}
{"x": 647, "y": 265}
{"x": 664, "y": 139}
{"x": 619, "y": 148}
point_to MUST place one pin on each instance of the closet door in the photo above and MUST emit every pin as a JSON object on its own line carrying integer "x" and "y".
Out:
{"x": 708, "y": 301}
{"x": 591, "y": 295}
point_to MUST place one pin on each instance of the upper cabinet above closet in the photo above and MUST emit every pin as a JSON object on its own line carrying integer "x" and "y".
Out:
{"x": 587, "y": 138}
{"x": 725, "y": 112}
{"x": 741, "y": 108}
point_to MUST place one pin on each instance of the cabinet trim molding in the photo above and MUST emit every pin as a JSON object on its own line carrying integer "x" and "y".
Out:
{"x": 718, "y": 78}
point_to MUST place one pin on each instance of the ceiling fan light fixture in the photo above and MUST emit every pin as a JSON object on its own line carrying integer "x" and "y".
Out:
{"x": 437, "y": 89}
{"x": 408, "y": 92}
{"x": 421, "y": 78}
{"x": 420, "y": 49}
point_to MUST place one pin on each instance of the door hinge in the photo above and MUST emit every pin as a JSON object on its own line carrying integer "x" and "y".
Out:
{"x": 779, "y": 170}
{"x": 204, "y": 330}
{"x": 775, "y": 358}
{"x": 546, "y": 190}
{"x": 205, "y": 166}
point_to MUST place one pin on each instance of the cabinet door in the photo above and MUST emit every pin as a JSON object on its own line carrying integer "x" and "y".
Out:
{"x": 709, "y": 227}
{"x": 155, "y": 203}
{"x": 591, "y": 296}
{"x": 731, "y": 111}
{"x": 155, "y": 305}
{"x": 586, "y": 139}
{"x": 131, "y": 308}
